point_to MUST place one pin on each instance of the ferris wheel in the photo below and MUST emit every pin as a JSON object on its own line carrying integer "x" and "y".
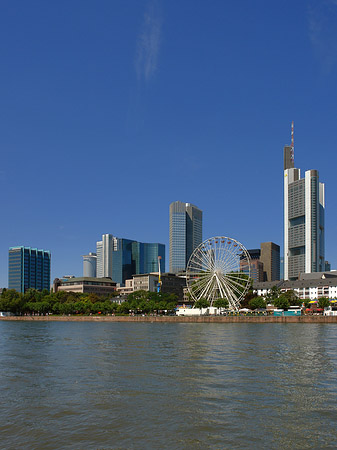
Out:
{"x": 219, "y": 268}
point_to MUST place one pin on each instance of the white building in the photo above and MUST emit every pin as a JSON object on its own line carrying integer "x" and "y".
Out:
{"x": 89, "y": 265}
{"x": 308, "y": 287}
{"x": 104, "y": 249}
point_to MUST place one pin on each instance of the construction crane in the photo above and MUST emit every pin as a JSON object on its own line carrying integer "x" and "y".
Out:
{"x": 159, "y": 277}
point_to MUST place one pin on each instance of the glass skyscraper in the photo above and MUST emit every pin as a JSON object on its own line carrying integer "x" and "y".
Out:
{"x": 185, "y": 233}
{"x": 120, "y": 258}
{"x": 28, "y": 268}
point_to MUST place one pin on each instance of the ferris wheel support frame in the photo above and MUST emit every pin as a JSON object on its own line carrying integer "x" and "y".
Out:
{"x": 219, "y": 268}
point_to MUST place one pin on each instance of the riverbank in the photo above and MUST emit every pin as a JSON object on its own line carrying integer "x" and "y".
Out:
{"x": 178, "y": 319}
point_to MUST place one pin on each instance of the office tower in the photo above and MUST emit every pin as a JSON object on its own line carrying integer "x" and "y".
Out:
{"x": 120, "y": 258}
{"x": 256, "y": 266}
{"x": 145, "y": 257}
{"x": 304, "y": 206}
{"x": 89, "y": 265}
{"x": 270, "y": 257}
{"x": 151, "y": 253}
{"x": 28, "y": 268}
{"x": 185, "y": 233}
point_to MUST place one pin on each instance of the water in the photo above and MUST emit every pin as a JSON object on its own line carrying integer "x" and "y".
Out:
{"x": 72, "y": 385}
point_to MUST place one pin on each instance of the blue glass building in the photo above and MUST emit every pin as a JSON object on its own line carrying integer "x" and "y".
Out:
{"x": 120, "y": 258}
{"x": 151, "y": 253}
{"x": 28, "y": 268}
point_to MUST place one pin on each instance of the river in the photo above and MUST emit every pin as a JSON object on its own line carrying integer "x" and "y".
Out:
{"x": 104, "y": 386}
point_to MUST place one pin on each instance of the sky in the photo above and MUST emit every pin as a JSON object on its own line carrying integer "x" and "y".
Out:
{"x": 111, "y": 110}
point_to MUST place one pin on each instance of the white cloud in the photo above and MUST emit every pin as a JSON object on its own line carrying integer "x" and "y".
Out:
{"x": 148, "y": 43}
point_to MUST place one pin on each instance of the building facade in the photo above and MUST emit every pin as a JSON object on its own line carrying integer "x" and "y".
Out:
{"x": 171, "y": 283}
{"x": 28, "y": 268}
{"x": 120, "y": 258}
{"x": 256, "y": 266}
{"x": 89, "y": 265}
{"x": 270, "y": 258}
{"x": 304, "y": 207}
{"x": 308, "y": 287}
{"x": 185, "y": 234}
{"x": 85, "y": 285}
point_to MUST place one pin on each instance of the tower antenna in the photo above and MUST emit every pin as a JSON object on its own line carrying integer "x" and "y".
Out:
{"x": 292, "y": 141}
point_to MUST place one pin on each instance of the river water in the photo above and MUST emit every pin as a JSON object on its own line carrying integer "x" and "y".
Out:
{"x": 73, "y": 385}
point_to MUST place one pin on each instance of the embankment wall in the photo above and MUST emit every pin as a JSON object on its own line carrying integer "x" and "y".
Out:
{"x": 180, "y": 319}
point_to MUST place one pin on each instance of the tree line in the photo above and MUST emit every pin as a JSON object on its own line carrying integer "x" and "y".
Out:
{"x": 34, "y": 302}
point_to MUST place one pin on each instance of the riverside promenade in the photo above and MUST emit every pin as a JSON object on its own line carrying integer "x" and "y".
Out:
{"x": 179, "y": 319}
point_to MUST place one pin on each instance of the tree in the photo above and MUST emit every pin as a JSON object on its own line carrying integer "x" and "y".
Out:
{"x": 281, "y": 302}
{"x": 201, "y": 303}
{"x": 292, "y": 297}
{"x": 273, "y": 294}
{"x": 306, "y": 303}
{"x": 323, "y": 302}
{"x": 257, "y": 303}
{"x": 138, "y": 295}
{"x": 249, "y": 296}
{"x": 221, "y": 303}
{"x": 123, "y": 308}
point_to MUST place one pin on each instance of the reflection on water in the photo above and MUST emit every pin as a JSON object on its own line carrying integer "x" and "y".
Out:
{"x": 177, "y": 386}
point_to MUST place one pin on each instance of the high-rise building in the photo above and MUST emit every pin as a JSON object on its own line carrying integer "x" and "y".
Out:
{"x": 185, "y": 233}
{"x": 28, "y": 268}
{"x": 256, "y": 266}
{"x": 264, "y": 262}
{"x": 145, "y": 257}
{"x": 120, "y": 258}
{"x": 304, "y": 207}
{"x": 270, "y": 257}
{"x": 89, "y": 265}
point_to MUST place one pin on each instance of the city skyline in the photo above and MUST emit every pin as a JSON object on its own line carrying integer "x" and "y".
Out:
{"x": 104, "y": 102}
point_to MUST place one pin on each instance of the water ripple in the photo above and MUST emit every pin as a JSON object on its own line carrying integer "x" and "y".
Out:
{"x": 178, "y": 386}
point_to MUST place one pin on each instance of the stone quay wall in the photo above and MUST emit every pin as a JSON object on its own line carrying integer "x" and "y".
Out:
{"x": 180, "y": 319}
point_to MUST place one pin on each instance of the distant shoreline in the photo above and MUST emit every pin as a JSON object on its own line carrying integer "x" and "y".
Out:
{"x": 178, "y": 319}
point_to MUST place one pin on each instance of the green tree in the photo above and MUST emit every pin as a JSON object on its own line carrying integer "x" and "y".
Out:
{"x": 123, "y": 308}
{"x": 306, "y": 302}
{"x": 273, "y": 294}
{"x": 249, "y": 296}
{"x": 257, "y": 303}
{"x": 32, "y": 295}
{"x": 201, "y": 303}
{"x": 292, "y": 297}
{"x": 323, "y": 302}
{"x": 281, "y": 302}
{"x": 221, "y": 303}
{"x": 139, "y": 295}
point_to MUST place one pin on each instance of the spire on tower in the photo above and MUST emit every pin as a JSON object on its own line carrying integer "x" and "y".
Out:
{"x": 292, "y": 141}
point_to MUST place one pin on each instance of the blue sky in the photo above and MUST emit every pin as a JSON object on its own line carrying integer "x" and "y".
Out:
{"x": 110, "y": 110}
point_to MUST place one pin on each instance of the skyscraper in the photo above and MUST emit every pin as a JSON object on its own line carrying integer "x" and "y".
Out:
{"x": 120, "y": 258}
{"x": 304, "y": 206}
{"x": 28, "y": 268}
{"x": 270, "y": 257}
{"x": 185, "y": 233}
